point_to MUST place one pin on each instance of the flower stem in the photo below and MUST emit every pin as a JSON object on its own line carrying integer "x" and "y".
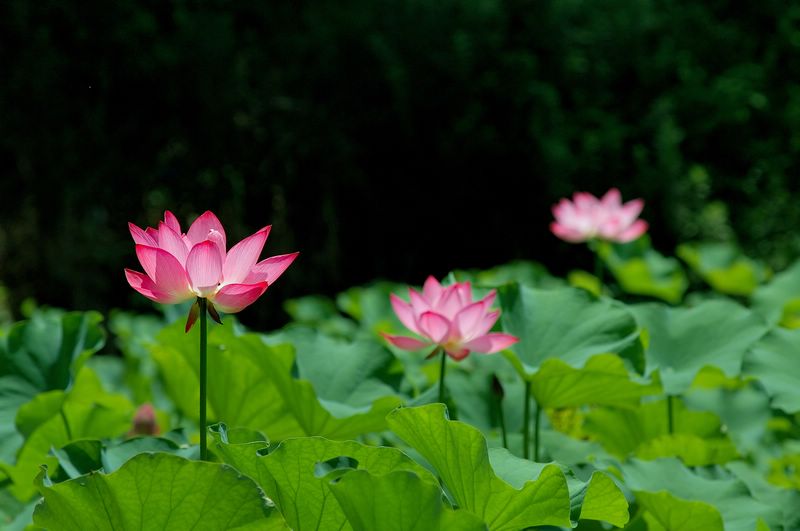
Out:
{"x": 526, "y": 422}
{"x": 203, "y": 376}
{"x": 442, "y": 368}
{"x": 66, "y": 424}
{"x": 502, "y": 422}
{"x": 598, "y": 267}
{"x": 670, "y": 426}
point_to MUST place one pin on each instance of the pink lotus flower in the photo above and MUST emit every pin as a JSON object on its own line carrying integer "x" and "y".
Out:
{"x": 588, "y": 218}
{"x": 447, "y": 317}
{"x": 144, "y": 421}
{"x": 181, "y": 267}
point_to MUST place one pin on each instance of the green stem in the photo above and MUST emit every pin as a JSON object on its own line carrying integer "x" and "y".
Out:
{"x": 203, "y": 377}
{"x": 442, "y": 368}
{"x": 670, "y": 424}
{"x": 66, "y": 424}
{"x": 526, "y": 422}
{"x": 502, "y": 416}
{"x": 598, "y": 267}
{"x": 536, "y": 426}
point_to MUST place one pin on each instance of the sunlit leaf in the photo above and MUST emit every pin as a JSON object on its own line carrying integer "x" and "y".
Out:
{"x": 397, "y": 501}
{"x": 154, "y": 492}
{"x": 459, "y": 454}
{"x": 287, "y": 474}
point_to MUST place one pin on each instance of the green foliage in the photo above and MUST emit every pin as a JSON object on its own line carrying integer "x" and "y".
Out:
{"x": 568, "y": 324}
{"x": 641, "y": 270}
{"x": 155, "y": 491}
{"x": 287, "y": 474}
{"x": 723, "y": 267}
{"x": 681, "y": 341}
{"x": 251, "y": 385}
{"x": 719, "y": 451}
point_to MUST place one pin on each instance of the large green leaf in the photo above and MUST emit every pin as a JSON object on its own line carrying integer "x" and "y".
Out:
{"x": 604, "y": 380}
{"x": 723, "y": 267}
{"x": 341, "y": 371}
{"x": 775, "y": 361}
{"x": 786, "y": 500}
{"x": 771, "y": 299}
{"x": 287, "y": 474}
{"x": 682, "y": 500}
{"x": 697, "y": 438}
{"x": 41, "y": 354}
{"x": 599, "y": 498}
{"x": 684, "y": 340}
{"x": 641, "y": 270}
{"x": 397, "y": 501}
{"x": 251, "y": 385}
{"x": 156, "y": 491}
{"x": 568, "y": 324}
{"x": 460, "y": 456}
{"x": 91, "y": 413}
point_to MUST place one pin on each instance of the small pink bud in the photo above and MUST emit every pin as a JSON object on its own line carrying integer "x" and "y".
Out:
{"x": 144, "y": 421}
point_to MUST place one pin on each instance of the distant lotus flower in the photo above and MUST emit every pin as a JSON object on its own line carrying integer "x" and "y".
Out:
{"x": 448, "y": 317}
{"x": 144, "y": 421}
{"x": 589, "y": 218}
{"x": 181, "y": 267}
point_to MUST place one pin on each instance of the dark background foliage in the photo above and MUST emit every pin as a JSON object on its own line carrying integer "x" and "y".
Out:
{"x": 386, "y": 138}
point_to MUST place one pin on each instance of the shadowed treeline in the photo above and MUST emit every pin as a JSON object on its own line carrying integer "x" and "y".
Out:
{"x": 385, "y": 138}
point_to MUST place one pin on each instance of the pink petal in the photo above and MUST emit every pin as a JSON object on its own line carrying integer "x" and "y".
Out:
{"x": 628, "y": 212}
{"x": 467, "y": 320}
{"x": 464, "y": 290}
{"x": 142, "y": 283}
{"x": 141, "y": 237}
{"x": 567, "y": 233}
{"x": 235, "y": 297}
{"x": 490, "y": 343}
{"x": 270, "y": 269}
{"x": 153, "y": 233}
{"x": 487, "y": 322}
{"x": 434, "y": 326}
{"x": 638, "y": 228}
{"x": 219, "y": 240}
{"x": 488, "y": 300}
{"x": 585, "y": 201}
{"x": 171, "y": 241}
{"x": 431, "y": 290}
{"x": 457, "y": 354}
{"x": 404, "y": 312}
{"x": 563, "y": 209}
{"x": 202, "y": 226}
{"x": 418, "y": 304}
{"x": 204, "y": 266}
{"x": 243, "y": 256}
{"x": 449, "y": 303}
{"x": 172, "y": 222}
{"x": 165, "y": 271}
{"x": 612, "y": 199}
{"x": 405, "y": 343}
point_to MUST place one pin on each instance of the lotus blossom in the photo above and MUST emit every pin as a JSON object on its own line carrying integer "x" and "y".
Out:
{"x": 144, "y": 421}
{"x": 448, "y": 318}
{"x": 197, "y": 264}
{"x": 589, "y": 218}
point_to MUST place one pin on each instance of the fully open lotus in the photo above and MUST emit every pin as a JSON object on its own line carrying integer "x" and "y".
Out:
{"x": 589, "y": 218}
{"x": 180, "y": 267}
{"x": 448, "y": 317}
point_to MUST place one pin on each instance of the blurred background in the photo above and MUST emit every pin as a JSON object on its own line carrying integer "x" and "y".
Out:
{"x": 384, "y": 138}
